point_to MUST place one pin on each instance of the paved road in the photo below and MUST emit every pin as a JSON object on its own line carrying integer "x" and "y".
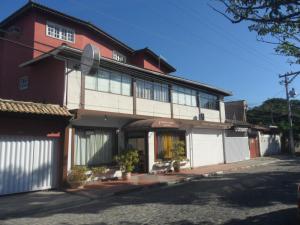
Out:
{"x": 262, "y": 195}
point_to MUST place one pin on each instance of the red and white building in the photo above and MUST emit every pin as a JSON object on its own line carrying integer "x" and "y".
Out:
{"x": 134, "y": 98}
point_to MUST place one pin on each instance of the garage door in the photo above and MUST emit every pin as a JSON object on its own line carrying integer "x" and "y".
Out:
{"x": 27, "y": 164}
{"x": 207, "y": 147}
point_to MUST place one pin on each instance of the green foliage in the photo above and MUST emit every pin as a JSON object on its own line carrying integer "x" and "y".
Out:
{"x": 278, "y": 20}
{"x": 127, "y": 160}
{"x": 274, "y": 112}
{"x": 178, "y": 151}
{"x": 98, "y": 169}
{"x": 78, "y": 174}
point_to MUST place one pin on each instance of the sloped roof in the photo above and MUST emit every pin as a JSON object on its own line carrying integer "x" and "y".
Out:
{"x": 89, "y": 25}
{"x": 33, "y": 108}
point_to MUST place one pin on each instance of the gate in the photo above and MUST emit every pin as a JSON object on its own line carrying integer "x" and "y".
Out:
{"x": 27, "y": 164}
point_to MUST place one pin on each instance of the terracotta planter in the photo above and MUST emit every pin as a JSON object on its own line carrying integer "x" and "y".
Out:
{"x": 126, "y": 175}
{"x": 176, "y": 166}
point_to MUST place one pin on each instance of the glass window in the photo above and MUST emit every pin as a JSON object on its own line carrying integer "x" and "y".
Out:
{"x": 103, "y": 81}
{"x": 115, "y": 83}
{"x": 140, "y": 88}
{"x": 194, "y": 98}
{"x": 60, "y": 32}
{"x": 148, "y": 90}
{"x": 208, "y": 101}
{"x": 184, "y": 96}
{"x": 94, "y": 147}
{"x": 109, "y": 81}
{"x": 165, "y": 144}
{"x": 126, "y": 85}
{"x": 119, "y": 57}
{"x": 91, "y": 82}
{"x": 152, "y": 90}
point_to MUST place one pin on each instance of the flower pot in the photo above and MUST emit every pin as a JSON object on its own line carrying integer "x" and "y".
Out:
{"x": 126, "y": 175}
{"x": 176, "y": 166}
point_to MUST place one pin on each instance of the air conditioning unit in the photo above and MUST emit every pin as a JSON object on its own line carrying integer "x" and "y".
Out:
{"x": 201, "y": 116}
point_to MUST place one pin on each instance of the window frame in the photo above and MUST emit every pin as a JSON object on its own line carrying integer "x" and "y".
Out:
{"x": 21, "y": 83}
{"x": 109, "y": 82}
{"x": 153, "y": 84}
{"x": 209, "y": 98}
{"x": 180, "y": 134}
{"x": 59, "y": 34}
{"x": 182, "y": 93}
{"x": 117, "y": 53}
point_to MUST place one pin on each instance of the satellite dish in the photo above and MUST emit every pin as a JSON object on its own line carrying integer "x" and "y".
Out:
{"x": 90, "y": 59}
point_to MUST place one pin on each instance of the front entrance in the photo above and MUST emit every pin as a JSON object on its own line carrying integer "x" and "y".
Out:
{"x": 254, "y": 147}
{"x": 138, "y": 141}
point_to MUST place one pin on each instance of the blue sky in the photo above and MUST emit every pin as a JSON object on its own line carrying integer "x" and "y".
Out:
{"x": 201, "y": 44}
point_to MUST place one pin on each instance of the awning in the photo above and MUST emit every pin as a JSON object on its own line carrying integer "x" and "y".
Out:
{"x": 164, "y": 123}
{"x": 148, "y": 124}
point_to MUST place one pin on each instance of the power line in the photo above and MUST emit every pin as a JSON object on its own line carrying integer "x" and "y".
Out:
{"x": 80, "y": 63}
{"x": 212, "y": 26}
{"x": 182, "y": 9}
{"x": 196, "y": 36}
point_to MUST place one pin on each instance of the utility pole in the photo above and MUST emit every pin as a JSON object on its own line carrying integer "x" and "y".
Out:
{"x": 286, "y": 83}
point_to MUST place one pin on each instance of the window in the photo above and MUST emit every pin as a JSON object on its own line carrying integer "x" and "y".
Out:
{"x": 60, "y": 32}
{"x": 184, "y": 96}
{"x": 152, "y": 90}
{"x": 94, "y": 147}
{"x": 208, "y": 101}
{"x": 109, "y": 81}
{"x": 23, "y": 83}
{"x": 165, "y": 144}
{"x": 119, "y": 57}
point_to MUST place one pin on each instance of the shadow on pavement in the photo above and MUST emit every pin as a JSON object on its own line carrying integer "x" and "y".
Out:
{"x": 244, "y": 190}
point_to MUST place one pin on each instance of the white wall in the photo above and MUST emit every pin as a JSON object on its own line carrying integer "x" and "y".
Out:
{"x": 222, "y": 112}
{"x": 211, "y": 115}
{"x": 151, "y": 157}
{"x": 73, "y": 80}
{"x": 153, "y": 108}
{"x": 236, "y": 149}
{"x": 269, "y": 144}
{"x": 207, "y": 147}
{"x": 102, "y": 101}
{"x": 185, "y": 112}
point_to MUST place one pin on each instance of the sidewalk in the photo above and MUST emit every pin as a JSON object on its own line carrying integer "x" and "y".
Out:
{"x": 139, "y": 182}
{"x": 19, "y": 205}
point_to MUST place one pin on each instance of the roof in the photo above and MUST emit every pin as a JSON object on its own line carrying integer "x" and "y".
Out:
{"x": 159, "y": 58}
{"x": 31, "y": 5}
{"x": 173, "y": 78}
{"x": 12, "y": 106}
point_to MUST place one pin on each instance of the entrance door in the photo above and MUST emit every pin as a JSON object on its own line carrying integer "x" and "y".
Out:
{"x": 254, "y": 148}
{"x": 139, "y": 144}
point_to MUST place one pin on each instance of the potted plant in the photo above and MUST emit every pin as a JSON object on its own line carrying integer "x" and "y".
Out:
{"x": 178, "y": 154}
{"x": 127, "y": 160}
{"x": 78, "y": 176}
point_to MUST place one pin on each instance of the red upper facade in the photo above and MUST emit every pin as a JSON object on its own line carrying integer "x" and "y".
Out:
{"x": 32, "y": 19}
{"x": 24, "y": 36}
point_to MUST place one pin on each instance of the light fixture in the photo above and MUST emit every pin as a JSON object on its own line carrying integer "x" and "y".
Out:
{"x": 105, "y": 118}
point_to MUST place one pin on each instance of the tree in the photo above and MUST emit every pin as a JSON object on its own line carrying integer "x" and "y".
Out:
{"x": 279, "y": 19}
{"x": 274, "y": 112}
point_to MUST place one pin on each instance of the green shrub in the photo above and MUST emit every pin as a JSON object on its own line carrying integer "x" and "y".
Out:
{"x": 78, "y": 174}
{"x": 98, "y": 169}
{"x": 127, "y": 160}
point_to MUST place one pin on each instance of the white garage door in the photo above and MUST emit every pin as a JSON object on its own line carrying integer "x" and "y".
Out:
{"x": 27, "y": 164}
{"x": 207, "y": 147}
